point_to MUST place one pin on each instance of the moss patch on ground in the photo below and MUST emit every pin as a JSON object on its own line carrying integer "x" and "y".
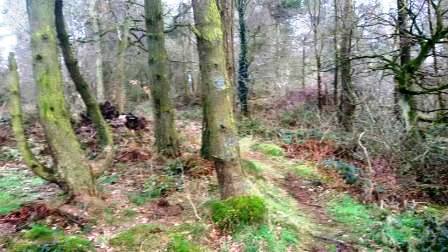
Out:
{"x": 305, "y": 171}
{"x": 16, "y": 188}
{"x": 379, "y": 227}
{"x": 268, "y": 149}
{"x": 148, "y": 237}
{"x": 42, "y": 238}
{"x": 252, "y": 168}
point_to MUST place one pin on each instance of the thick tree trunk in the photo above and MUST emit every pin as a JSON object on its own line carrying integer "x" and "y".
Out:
{"x": 72, "y": 166}
{"x": 406, "y": 102}
{"x": 93, "y": 13}
{"x": 93, "y": 109}
{"x": 165, "y": 127}
{"x": 347, "y": 104}
{"x": 243, "y": 62}
{"x": 219, "y": 122}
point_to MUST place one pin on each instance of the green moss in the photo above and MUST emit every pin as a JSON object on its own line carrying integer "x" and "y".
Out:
{"x": 265, "y": 238}
{"x": 306, "y": 171}
{"x": 42, "y": 238}
{"x": 40, "y": 232}
{"x": 239, "y": 211}
{"x": 268, "y": 149}
{"x": 143, "y": 236}
{"x": 349, "y": 211}
{"x": 8, "y": 203}
{"x": 252, "y": 168}
{"x": 393, "y": 230}
{"x": 180, "y": 244}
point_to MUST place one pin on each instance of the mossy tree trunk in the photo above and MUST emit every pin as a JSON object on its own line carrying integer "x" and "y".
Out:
{"x": 165, "y": 128}
{"x": 406, "y": 102}
{"x": 71, "y": 165}
{"x": 15, "y": 108}
{"x": 219, "y": 126}
{"x": 93, "y": 109}
{"x": 347, "y": 104}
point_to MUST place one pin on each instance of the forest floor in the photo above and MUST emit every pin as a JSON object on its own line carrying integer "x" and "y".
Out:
{"x": 155, "y": 204}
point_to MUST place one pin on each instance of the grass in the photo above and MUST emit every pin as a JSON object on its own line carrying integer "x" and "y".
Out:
{"x": 266, "y": 238}
{"x": 252, "y": 168}
{"x": 144, "y": 236}
{"x": 147, "y": 237}
{"x": 8, "y": 203}
{"x": 43, "y": 238}
{"x": 268, "y": 149}
{"x": 15, "y": 189}
{"x": 306, "y": 171}
{"x": 381, "y": 227}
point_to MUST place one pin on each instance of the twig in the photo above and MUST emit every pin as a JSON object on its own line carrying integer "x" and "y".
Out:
{"x": 369, "y": 174}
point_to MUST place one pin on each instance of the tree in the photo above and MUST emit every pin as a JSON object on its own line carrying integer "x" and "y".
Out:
{"x": 347, "y": 104}
{"x": 165, "y": 127}
{"x": 314, "y": 13}
{"x": 243, "y": 61}
{"x": 71, "y": 171}
{"x": 83, "y": 88}
{"x": 219, "y": 133}
{"x": 96, "y": 29}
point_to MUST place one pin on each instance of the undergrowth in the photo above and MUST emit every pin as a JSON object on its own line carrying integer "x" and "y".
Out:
{"x": 41, "y": 238}
{"x": 402, "y": 231}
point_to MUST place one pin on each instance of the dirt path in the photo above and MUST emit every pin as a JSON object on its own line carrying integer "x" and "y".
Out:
{"x": 322, "y": 233}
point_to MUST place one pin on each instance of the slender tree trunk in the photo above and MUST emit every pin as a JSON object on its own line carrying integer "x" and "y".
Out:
{"x": 303, "y": 63}
{"x": 165, "y": 128}
{"x": 72, "y": 166}
{"x": 93, "y": 12}
{"x": 435, "y": 61}
{"x": 93, "y": 109}
{"x": 347, "y": 105}
{"x": 17, "y": 125}
{"x": 336, "y": 53}
{"x": 219, "y": 122}
{"x": 243, "y": 66}
{"x": 120, "y": 82}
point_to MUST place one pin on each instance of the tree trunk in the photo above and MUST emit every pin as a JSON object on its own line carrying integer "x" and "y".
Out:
{"x": 93, "y": 109}
{"x": 165, "y": 127}
{"x": 406, "y": 102}
{"x": 219, "y": 122}
{"x": 93, "y": 12}
{"x": 336, "y": 53}
{"x": 120, "y": 82}
{"x": 347, "y": 105}
{"x": 303, "y": 63}
{"x": 71, "y": 164}
{"x": 243, "y": 66}
{"x": 17, "y": 125}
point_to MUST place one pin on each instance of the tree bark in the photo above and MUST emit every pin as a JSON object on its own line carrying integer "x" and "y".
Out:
{"x": 119, "y": 93}
{"x": 243, "y": 62}
{"x": 93, "y": 12}
{"x": 347, "y": 104}
{"x": 72, "y": 165}
{"x": 336, "y": 53}
{"x": 165, "y": 128}
{"x": 15, "y": 108}
{"x": 219, "y": 122}
{"x": 83, "y": 88}
{"x": 406, "y": 102}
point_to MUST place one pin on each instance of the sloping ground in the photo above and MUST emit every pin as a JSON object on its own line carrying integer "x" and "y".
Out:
{"x": 162, "y": 205}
